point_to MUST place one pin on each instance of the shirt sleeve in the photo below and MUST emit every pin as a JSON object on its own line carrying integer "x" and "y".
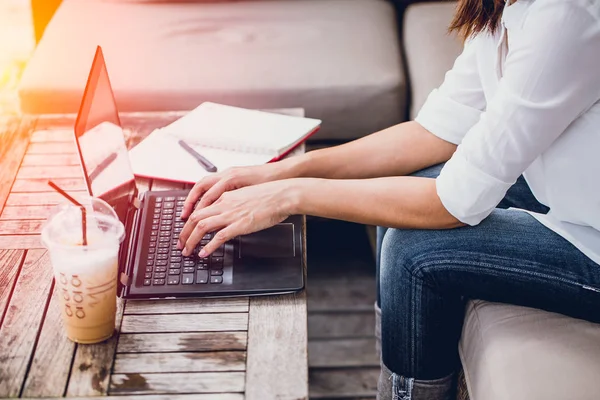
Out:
{"x": 453, "y": 108}
{"x": 551, "y": 76}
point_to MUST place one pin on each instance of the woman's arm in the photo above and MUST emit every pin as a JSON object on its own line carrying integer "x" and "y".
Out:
{"x": 401, "y": 202}
{"x": 398, "y": 202}
{"x": 399, "y": 150}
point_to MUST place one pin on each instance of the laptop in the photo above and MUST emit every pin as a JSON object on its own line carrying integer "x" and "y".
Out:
{"x": 151, "y": 267}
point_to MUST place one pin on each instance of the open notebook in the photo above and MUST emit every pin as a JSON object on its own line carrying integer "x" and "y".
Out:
{"x": 227, "y": 136}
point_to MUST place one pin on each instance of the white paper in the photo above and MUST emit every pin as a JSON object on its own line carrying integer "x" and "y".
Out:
{"x": 175, "y": 164}
{"x": 247, "y": 131}
{"x": 226, "y": 136}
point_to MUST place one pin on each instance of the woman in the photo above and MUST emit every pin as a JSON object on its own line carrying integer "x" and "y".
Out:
{"x": 522, "y": 98}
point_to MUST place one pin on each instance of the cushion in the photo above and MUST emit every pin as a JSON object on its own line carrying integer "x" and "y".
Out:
{"x": 520, "y": 353}
{"x": 430, "y": 51}
{"x": 338, "y": 59}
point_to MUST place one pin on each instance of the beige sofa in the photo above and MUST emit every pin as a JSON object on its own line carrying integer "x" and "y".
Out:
{"x": 342, "y": 60}
{"x": 338, "y": 59}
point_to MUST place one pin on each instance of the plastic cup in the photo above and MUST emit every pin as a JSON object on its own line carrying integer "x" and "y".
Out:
{"x": 86, "y": 276}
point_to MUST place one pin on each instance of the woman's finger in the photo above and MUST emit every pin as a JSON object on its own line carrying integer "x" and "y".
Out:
{"x": 195, "y": 218}
{"x": 221, "y": 237}
{"x": 213, "y": 193}
{"x": 210, "y": 224}
{"x": 197, "y": 191}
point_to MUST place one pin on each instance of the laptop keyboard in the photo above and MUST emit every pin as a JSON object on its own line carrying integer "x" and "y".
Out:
{"x": 165, "y": 265}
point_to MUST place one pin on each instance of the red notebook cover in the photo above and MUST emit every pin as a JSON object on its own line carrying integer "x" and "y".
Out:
{"x": 295, "y": 146}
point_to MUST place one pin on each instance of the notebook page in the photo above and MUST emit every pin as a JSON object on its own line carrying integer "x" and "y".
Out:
{"x": 251, "y": 131}
{"x": 160, "y": 156}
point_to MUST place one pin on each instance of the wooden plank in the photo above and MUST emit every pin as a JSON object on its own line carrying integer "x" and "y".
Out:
{"x": 22, "y": 321}
{"x": 180, "y": 341}
{"x": 10, "y": 262}
{"x": 157, "y": 118}
{"x": 16, "y": 227}
{"x": 138, "y": 133}
{"x": 343, "y": 383}
{"x": 193, "y": 382}
{"x": 50, "y": 172}
{"x": 342, "y": 293}
{"x": 340, "y": 281}
{"x": 135, "y": 120}
{"x": 342, "y": 353}
{"x": 19, "y": 242}
{"x": 277, "y": 336}
{"x": 142, "y": 124}
{"x": 219, "y": 361}
{"x": 41, "y": 198}
{"x": 26, "y": 212}
{"x": 41, "y": 185}
{"x": 15, "y": 137}
{"x": 195, "y": 396}
{"x": 341, "y": 324}
{"x": 137, "y": 136}
{"x": 90, "y": 374}
{"x": 203, "y": 306}
{"x": 53, "y": 349}
{"x": 53, "y": 135}
{"x": 56, "y": 121}
{"x": 184, "y": 323}
{"x": 277, "y": 342}
{"x": 52, "y": 148}
{"x": 50, "y": 159}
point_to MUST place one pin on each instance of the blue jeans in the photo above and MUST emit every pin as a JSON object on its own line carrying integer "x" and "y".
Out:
{"x": 426, "y": 276}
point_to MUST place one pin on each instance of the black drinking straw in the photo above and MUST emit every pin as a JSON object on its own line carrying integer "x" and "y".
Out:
{"x": 78, "y": 204}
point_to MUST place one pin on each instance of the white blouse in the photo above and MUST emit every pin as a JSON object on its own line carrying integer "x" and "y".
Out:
{"x": 526, "y": 100}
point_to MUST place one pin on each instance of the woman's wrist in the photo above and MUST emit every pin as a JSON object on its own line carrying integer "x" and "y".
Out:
{"x": 292, "y": 167}
{"x": 294, "y": 194}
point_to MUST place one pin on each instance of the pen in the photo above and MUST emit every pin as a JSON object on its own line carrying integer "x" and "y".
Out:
{"x": 207, "y": 165}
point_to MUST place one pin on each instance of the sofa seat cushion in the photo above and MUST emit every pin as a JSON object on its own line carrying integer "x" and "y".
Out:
{"x": 338, "y": 59}
{"x": 520, "y": 353}
{"x": 430, "y": 50}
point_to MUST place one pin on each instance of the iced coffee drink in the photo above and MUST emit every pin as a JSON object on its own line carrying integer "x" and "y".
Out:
{"x": 85, "y": 275}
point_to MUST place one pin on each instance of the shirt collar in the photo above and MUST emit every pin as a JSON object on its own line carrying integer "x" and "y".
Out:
{"x": 514, "y": 14}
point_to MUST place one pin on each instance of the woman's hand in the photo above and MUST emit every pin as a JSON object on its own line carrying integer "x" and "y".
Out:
{"x": 238, "y": 212}
{"x": 210, "y": 188}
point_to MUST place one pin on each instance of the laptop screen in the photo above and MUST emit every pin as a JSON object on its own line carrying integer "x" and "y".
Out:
{"x": 100, "y": 138}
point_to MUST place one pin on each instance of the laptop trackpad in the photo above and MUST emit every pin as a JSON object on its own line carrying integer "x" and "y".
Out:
{"x": 275, "y": 242}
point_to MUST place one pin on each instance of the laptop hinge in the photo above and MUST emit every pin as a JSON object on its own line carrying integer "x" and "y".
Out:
{"x": 125, "y": 279}
{"x": 137, "y": 203}
{"x": 126, "y": 276}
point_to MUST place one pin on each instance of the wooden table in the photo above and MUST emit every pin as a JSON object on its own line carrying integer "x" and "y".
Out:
{"x": 217, "y": 349}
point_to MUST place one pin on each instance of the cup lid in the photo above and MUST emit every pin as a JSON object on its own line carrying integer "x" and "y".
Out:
{"x": 64, "y": 226}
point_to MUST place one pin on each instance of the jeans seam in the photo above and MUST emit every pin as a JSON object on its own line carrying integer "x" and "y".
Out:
{"x": 443, "y": 259}
{"x": 415, "y": 330}
{"x": 418, "y": 270}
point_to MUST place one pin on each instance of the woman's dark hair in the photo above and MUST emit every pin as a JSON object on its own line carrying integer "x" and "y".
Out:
{"x": 476, "y": 16}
